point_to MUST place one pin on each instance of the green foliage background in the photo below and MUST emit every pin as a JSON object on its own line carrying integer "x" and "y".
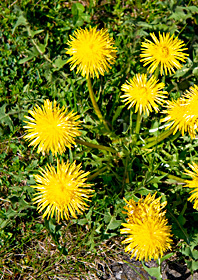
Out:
{"x": 28, "y": 78}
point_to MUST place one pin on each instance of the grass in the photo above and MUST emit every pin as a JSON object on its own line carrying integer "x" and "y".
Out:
{"x": 34, "y": 255}
{"x": 32, "y": 248}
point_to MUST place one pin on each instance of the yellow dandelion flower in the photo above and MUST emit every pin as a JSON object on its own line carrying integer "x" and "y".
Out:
{"x": 62, "y": 192}
{"x": 149, "y": 234}
{"x": 143, "y": 93}
{"x": 179, "y": 117}
{"x": 91, "y": 51}
{"x": 193, "y": 184}
{"x": 166, "y": 52}
{"x": 51, "y": 128}
{"x": 192, "y": 100}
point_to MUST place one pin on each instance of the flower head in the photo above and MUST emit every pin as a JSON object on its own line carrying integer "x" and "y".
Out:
{"x": 191, "y": 97}
{"x": 91, "y": 51}
{"x": 149, "y": 234}
{"x": 143, "y": 93}
{"x": 166, "y": 52}
{"x": 193, "y": 184}
{"x": 62, "y": 192}
{"x": 179, "y": 117}
{"x": 51, "y": 128}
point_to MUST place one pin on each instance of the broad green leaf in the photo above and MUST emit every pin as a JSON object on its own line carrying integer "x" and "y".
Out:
{"x": 156, "y": 179}
{"x": 30, "y": 54}
{"x": 4, "y": 223}
{"x": 59, "y": 62}
{"x": 20, "y": 21}
{"x": 77, "y": 9}
{"x": 46, "y": 40}
{"x": 52, "y": 226}
{"x": 144, "y": 24}
{"x": 113, "y": 224}
{"x": 180, "y": 14}
{"x": 24, "y": 205}
{"x": 195, "y": 254}
{"x": 153, "y": 271}
{"x": 11, "y": 213}
{"x": 79, "y": 21}
{"x": 42, "y": 47}
{"x": 82, "y": 222}
{"x": 33, "y": 33}
{"x": 193, "y": 9}
{"x": 192, "y": 265}
{"x": 195, "y": 71}
{"x": 181, "y": 72}
{"x": 181, "y": 220}
{"x": 107, "y": 218}
{"x": 166, "y": 257}
{"x": 5, "y": 118}
{"x": 86, "y": 17}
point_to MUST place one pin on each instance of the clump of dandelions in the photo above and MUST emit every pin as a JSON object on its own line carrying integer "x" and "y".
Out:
{"x": 143, "y": 93}
{"x": 51, "y": 128}
{"x": 193, "y": 184}
{"x": 91, "y": 51}
{"x": 165, "y": 52}
{"x": 148, "y": 233}
{"x": 62, "y": 192}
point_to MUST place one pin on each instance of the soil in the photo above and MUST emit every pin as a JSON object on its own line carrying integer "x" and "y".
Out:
{"x": 170, "y": 271}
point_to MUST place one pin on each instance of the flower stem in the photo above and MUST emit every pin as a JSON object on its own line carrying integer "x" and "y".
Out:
{"x": 137, "y": 127}
{"x": 157, "y": 72}
{"x": 138, "y": 122}
{"x": 91, "y": 145}
{"x": 173, "y": 177}
{"x": 93, "y": 176}
{"x": 95, "y": 105}
{"x": 159, "y": 138}
{"x": 151, "y": 139}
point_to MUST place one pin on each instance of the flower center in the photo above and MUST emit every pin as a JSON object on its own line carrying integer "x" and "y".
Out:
{"x": 143, "y": 91}
{"x": 164, "y": 51}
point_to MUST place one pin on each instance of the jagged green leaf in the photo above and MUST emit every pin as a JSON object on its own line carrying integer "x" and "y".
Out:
{"x": 20, "y": 21}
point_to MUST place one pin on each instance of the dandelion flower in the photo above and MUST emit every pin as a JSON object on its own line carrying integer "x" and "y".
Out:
{"x": 62, "y": 192}
{"x": 51, "y": 128}
{"x": 179, "y": 117}
{"x": 149, "y": 234}
{"x": 191, "y": 97}
{"x": 166, "y": 52}
{"x": 91, "y": 51}
{"x": 193, "y": 184}
{"x": 143, "y": 93}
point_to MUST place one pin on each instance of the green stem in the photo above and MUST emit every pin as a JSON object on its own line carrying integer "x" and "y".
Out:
{"x": 93, "y": 176}
{"x": 160, "y": 267}
{"x": 95, "y": 146}
{"x": 173, "y": 177}
{"x": 159, "y": 138}
{"x": 95, "y": 105}
{"x": 131, "y": 122}
{"x": 164, "y": 78}
{"x": 157, "y": 71}
{"x": 164, "y": 133}
{"x": 138, "y": 122}
{"x": 137, "y": 127}
{"x": 176, "y": 136}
